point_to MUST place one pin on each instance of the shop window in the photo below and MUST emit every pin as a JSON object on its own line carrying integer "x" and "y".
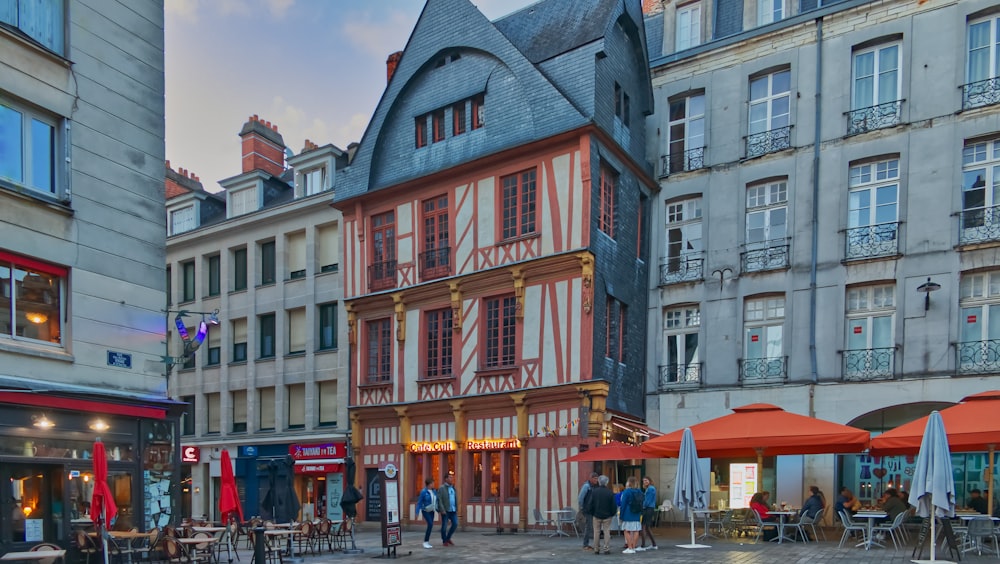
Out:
{"x": 30, "y": 299}
{"x": 496, "y": 474}
{"x": 266, "y": 403}
{"x": 431, "y": 465}
{"x": 239, "y": 411}
{"x": 297, "y": 406}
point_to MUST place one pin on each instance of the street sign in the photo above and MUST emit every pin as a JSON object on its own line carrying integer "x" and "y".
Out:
{"x": 119, "y": 359}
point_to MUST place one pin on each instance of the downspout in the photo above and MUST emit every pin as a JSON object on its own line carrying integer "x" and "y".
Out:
{"x": 814, "y": 373}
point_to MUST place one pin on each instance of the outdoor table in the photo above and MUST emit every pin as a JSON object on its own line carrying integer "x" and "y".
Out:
{"x": 208, "y": 529}
{"x": 781, "y": 524}
{"x": 556, "y": 513}
{"x": 707, "y": 515}
{"x": 871, "y": 516}
{"x": 35, "y": 555}
{"x": 189, "y": 542}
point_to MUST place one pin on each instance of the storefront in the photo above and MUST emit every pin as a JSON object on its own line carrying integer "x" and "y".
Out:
{"x": 46, "y": 465}
{"x": 319, "y": 478}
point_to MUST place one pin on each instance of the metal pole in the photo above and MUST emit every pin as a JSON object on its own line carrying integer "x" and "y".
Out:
{"x": 258, "y": 545}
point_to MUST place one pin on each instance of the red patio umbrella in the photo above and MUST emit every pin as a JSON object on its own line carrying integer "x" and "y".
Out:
{"x": 229, "y": 499}
{"x": 102, "y": 503}
{"x": 759, "y": 429}
{"x": 610, "y": 451}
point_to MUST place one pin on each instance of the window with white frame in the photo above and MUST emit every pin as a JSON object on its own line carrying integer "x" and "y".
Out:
{"x": 770, "y": 11}
{"x": 877, "y": 78}
{"x": 41, "y": 20}
{"x": 314, "y": 181}
{"x": 31, "y": 297}
{"x": 683, "y": 252}
{"x": 688, "y": 29}
{"x": 680, "y": 340}
{"x": 243, "y": 201}
{"x": 980, "y": 219}
{"x": 770, "y": 106}
{"x": 873, "y": 209}
{"x": 182, "y": 219}
{"x": 869, "y": 350}
{"x": 686, "y": 134}
{"x": 29, "y": 141}
{"x": 763, "y": 346}
{"x": 983, "y": 53}
{"x": 766, "y": 226}
{"x": 979, "y": 303}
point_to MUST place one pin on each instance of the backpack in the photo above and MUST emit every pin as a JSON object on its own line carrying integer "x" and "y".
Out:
{"x": 635, "y": 502}
{"x": 431, "y": 507}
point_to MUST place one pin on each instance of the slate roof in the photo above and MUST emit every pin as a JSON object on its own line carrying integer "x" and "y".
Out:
{"x": 552, "y": 27}
{"x": 654, "y": 35}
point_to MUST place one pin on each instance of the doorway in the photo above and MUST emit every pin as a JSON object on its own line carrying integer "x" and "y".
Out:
{"x": 31, "y": 503}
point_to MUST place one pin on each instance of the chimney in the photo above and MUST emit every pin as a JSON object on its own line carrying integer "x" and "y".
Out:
{"x": 390, "y": 65}
{"x": 263, "y": 147}
{"x": 180, "y": 182}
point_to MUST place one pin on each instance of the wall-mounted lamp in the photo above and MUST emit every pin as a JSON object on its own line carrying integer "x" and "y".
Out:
{"x": 99, "y": 425}
{"x": 927, "y": 288}
{"x": 42, "y": 422}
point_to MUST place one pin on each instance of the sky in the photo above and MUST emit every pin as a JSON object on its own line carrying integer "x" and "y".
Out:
{"x": 314, "y": 68}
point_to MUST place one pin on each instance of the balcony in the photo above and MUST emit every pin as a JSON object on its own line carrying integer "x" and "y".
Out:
{"x": 981, "y": 93}
{"x": 382, "y": 275}
{"x": 771, "y": 370}
{"x": 679, "y": 376}
{"x": 435, "y": 263}
{"x": 979, "y": 225}
{"x": 771, "y": 141}
{"x": 871, "y": 241}
{"x": 769, "y": 255}
{"x": 875, "y": 117}
{"x": 979, "y": 357}
{"x": 684, "y": 268}
{"x": 866, "y": 365}
{"x": 692, "y": 159}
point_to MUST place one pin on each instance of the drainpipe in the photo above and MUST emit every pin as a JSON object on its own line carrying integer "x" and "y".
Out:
{"x": 815, "y": 202}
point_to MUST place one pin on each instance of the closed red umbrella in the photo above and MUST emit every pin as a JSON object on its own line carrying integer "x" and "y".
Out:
{"x": 102, "y": 503}
{"x": 229, "y": 499}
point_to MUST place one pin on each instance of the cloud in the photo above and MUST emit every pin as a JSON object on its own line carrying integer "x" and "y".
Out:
{"x": 187, "y": 9}
{"x": 378, "y": 37}
{"x": 279, "y": 8}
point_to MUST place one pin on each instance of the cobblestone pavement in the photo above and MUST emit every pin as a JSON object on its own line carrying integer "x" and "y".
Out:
{"x": 486, "y": 546}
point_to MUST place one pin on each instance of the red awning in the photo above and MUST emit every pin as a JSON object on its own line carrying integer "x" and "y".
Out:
{"x": 90, "y": 406}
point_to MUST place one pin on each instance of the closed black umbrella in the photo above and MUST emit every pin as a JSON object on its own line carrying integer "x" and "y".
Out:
{"x": 352, "y": 495}
{"x": 281, "y": 502}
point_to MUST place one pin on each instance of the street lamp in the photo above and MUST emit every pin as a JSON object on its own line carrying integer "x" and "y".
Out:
{"x": 927, "y": 288}
{"x": 190, "y": 344}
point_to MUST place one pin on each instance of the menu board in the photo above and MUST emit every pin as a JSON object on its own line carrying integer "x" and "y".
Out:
{"x": 743, "y": 480}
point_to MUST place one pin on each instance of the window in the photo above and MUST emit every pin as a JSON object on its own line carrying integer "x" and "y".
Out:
{"x": 688, "y": 32}
{"x": 770, "y": 11}
{"x": 770, "y": 101}
{"x": 616, "y": 327}
{"x": 31, "y": 296}
{"x": 495, "y": 474}
{"x": 979, "y": 301}
{"x": 684, "y": 259}
{"x": 297, "y": 330}
{"x": 187, "y": 416}
{"x": 182, "y": 219}
{"x": 266, "y": 396}
{"x": 518, "y": 200}
{"x": 500, "y": 332}
{"x": 763, "y": 320}
{"x": 187, "y": 281}
{"x": 420, "y": 128}
{"x": 436, "y": 465}
{"x": 297, "y": 406}
{"x": 379, "y": 364}
{"x": 622, "y": 109}
{"x": 295, "y": 255}
{"x": 328, "y": 250}
{"x": 438, "y": 335}
{"x": 872, "y": 210}
{"x": 767, "y": 227}
{"x": 29, "y": 147}
{"x": 680, "y": 337}
{"x": 478, "y": 111}
{"x": 267, "y": 266}
{"x": 213, "y": 412}
{"x": 437, "y": 124}
{"x": 327, "y": 337}
{"x": 981, "y": 86}
{"x": 214, "y": 355}
{"x": 214, "y": 275}
{"x": 980, "y": 219}
{"x": 240, "y": 269}
{"x": 606, "y": 217}
{"x": 265, "y": 326}
{"x": 41, "y": 20}
{"x": 869, "y": 352}
{"x": 243, "y": 201}
{"x": 327, "y": 399}
{"x": 875, "y": 96}
{"x": 383, "y": 267}
{"x": 685, "y": 135}
{"x": 314, "y": 181}
{"x": 239, "y": 340}
{"x": 435, "y": 260}
{"x": 239, "y": 411}
{"x": 458, "y": 118}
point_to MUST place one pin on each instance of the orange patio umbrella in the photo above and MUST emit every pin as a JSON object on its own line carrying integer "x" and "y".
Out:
{"x": 972, "y": 426}
{"x": 761, "y": 428}
{"x": 610, "y": 451}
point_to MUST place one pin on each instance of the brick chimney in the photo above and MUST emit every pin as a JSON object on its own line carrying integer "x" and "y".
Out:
{"x": 263, "y": 147}
{"x": 390, "y": 65}
{"x": 180, "y": 182}
{"x": 651, "y": 7}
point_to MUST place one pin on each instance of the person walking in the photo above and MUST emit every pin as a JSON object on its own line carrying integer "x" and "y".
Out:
{"x": 631, "y": 516}
{"x": 447, "y": 506}
{"x": 648, "y": 513}
{"x": 588, "y": 519}
{"x": 427, "y": 505}
{"x": 601, "y": 504}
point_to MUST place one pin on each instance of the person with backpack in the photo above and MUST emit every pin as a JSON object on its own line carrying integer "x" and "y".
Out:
{"x": 427, "y": 506}
{"x": 631, "y": 515}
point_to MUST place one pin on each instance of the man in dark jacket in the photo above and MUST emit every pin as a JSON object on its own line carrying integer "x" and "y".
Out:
{"x": 601, "y": 504}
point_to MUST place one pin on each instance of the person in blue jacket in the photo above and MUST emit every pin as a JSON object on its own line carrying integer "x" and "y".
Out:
{"x": 631, "y": 513}
{"x": 427, "y": 506}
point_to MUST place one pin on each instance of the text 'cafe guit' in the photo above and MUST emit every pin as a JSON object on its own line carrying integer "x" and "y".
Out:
{"x": 449, "y": 446}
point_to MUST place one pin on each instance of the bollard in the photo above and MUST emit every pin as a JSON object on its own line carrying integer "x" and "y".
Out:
{"x": 258, "y": 546}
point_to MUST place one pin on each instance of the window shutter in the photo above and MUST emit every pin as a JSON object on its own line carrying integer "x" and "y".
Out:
{"x": 328, "y": 402}
{"x": 240, "y": 330}
{"x": 297, "y": 405}
{"x": 267, "y": 408}
{"x": 329, "y": 247}
{"x": 296, "y": 330}
{"x": 296, "y": 253}
{"x": 214, "y": 415}
{"x": 239, "y": 407}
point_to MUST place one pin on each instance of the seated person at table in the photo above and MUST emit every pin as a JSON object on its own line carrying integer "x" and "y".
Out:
{"x": 846, "y": 502}
{"x": 758, "y": 503}
{"x": 814, "y": 505}
{"x": 891, "y": 504}
{"x": 977, "y": 502}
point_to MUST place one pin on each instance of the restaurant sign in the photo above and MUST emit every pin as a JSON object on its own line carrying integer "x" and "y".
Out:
{"x": 433, "y": 446}
{"x": 317, "y": 468}
{"x": 325, "y": 450}
{"x": 493, "y": 444}
{"x": 190, "y": 454}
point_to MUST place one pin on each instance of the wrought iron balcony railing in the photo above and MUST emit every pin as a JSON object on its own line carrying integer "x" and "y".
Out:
{"x": 382, "y": 275}
{"x": 682, "y": 161}
{"x": 676, "y": 375}
{"x": 978, "y": 357}
{"x": 435, "y": 263}
{"x": 771, "y": 141}
{"x": 684, "y": 268}
{"x": 865, "y": 365}
{"x": 763, "y": 370}
{"x": 979, "y": 225}
{"x": 769, "y": 255}
{"x": 870, "y": 241}
{"x": 874, "y": 117}
{"x": 981, "y": 93}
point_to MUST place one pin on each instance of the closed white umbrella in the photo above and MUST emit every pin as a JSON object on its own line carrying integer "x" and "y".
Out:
{"x": 933, "y": 488}
{"x": 689, "y": 487}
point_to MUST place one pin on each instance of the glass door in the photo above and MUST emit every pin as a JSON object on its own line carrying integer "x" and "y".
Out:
{"x": 32, "y": 503}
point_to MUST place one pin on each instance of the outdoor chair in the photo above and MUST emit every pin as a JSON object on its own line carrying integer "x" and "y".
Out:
{"x": 42, "y": 547}
{"x": 851, "y": 527}
{"x": 893, "y": 529}
{"x": 151, "y": 549}
{"x": 755, "y": 525}
{"x": 980, "y": 528}
{"x": 85, "y": 544}
{"x": 543, "y": 521}
{"x": 323, "y": 531}
{"x": 340, "y": 535}
{"x": 807, "y": 522}
{"x": 271, "y": 554}
{"x": 722, "y": 523}
{"x": 666, "y": 507}
{"x": 306, "y": 535}
{"x": 567, "y": 516}
{"x": 202, "y": 551}
{"x": 174, "y": 552}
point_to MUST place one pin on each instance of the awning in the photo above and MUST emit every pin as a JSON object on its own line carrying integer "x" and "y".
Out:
{"x": 319, "y": 466}
{"x": 320, "y": 461}
{"x": 72, "y": 404}
{"x": 633, "y": 426}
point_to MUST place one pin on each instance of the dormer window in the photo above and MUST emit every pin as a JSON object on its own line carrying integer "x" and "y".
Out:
{"x": 243, "y": 201}
{"x": 182, "y": 219}
{"x": 314, "y": 181}
{"x": 621, "y": 104}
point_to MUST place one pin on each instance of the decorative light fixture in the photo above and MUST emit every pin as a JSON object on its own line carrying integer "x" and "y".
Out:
{"x": 99, "y": 425}
{"x": 36, "y": 317}
{"x": 42, "y": 422}
{"x": 927, "y": 288}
